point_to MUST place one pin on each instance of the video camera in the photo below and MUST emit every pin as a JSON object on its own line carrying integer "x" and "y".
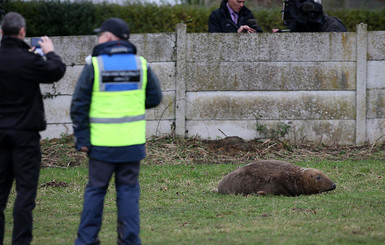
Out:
{"x": 253, "y": 24}
{"x": 302, "y": 15}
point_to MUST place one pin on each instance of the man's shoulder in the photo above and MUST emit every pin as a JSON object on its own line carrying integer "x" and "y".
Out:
{"x": 333, "y": 24}
{"x": 22, "y": 54}
{"x": 216, "y": 12}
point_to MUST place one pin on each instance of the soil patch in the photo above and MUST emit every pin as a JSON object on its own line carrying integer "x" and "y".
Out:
{"x": 54, "y": 183}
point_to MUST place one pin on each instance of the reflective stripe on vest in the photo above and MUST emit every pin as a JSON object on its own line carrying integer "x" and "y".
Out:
{"x": 117, "y": 112}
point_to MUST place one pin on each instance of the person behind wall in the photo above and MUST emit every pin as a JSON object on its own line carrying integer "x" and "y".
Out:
{"x": 108, "y": 114}
{"x": 233, "y": 16}
{"x": 21, "y": 119}
{"x": 308, "y": 16}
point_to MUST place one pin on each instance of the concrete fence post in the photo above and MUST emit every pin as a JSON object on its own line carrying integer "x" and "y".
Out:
{"x": 180, "y": 86}
{"x": 361, "y": 66}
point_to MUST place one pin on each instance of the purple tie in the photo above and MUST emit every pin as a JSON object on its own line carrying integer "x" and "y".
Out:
{"x": 234, "y": 17}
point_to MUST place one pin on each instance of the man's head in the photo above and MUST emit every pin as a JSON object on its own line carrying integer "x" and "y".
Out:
{"x": 13, "y": 24}
{"x": 236, "y": 5}
{"x": 113, "y": 29}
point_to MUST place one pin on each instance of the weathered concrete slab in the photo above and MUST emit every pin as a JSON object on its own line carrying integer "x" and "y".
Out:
{"x": 376, "y": 74}
{"x": 271, "y": 76}
{"x": 165, "y": 72}
{"x": 159, "y": 128}
{"x": 317, "y": 131}
{"x": 210, "y": 129}
{"x": 305, "y": 105}
{"x": 164, "y": 111}
{"x": 66, "y": 86}
{"x": 57, "y": 109}
{"x": 271, "y": 47}
{"x": 375, "y": 130}
{"x": 56, "y": 130}
{"x": 74, "y": 49}
{"x": 155, "y": 47}
{"x": 153, "y": 128}
{"x": 376, "y": 45}
{"x": 376, "y": 103}
{"x": 318, "y": 80}
{"x": 328, "y": 132}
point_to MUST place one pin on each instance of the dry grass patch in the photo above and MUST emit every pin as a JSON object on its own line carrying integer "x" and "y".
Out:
{"x": 168, "y": 150}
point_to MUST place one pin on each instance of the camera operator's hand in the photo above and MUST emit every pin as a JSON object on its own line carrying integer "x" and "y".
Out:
{"x": 46, "y": 45}
{"x": 245, "y": 28}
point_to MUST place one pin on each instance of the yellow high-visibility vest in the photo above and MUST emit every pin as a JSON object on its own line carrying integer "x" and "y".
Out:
{"x": 117, "y": 111}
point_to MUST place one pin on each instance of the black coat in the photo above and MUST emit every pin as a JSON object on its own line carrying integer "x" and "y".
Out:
{"x": 220, "y": 19}
{"x": 21, "y": 71}
{"x": 333, "y": 24}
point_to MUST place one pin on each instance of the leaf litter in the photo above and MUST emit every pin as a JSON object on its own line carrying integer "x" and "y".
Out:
{"x": 60, "y": 153}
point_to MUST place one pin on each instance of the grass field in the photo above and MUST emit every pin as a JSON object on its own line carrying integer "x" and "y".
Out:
{"x": 178, "y": 207}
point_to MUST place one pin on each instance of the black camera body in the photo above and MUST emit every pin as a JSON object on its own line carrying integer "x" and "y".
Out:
{"x": 253, "y": 24}
{"x": 303, "y": 15}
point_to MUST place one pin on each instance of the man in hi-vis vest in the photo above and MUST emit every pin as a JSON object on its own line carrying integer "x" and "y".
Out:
{"x": 108, "y": 115}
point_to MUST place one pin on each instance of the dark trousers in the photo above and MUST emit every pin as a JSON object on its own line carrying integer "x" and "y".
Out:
{"x": 127, "y": 192}
{"x": 20, "y": 159}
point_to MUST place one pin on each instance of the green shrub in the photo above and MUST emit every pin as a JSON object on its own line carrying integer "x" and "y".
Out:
{"x": 62, "y": 18}
{"x": 54, "y": 18}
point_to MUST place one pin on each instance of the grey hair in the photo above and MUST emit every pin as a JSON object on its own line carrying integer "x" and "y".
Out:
{"x": 12, "y": 23}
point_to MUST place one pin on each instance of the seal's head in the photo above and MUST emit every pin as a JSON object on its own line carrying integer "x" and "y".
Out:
{"x": 316, "y": 181}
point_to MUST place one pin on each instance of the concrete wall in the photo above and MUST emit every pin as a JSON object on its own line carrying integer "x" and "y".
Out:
{"x": 329, "y": 86}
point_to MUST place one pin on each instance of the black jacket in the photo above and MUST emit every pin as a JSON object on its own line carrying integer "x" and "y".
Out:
{"x": 80, "y": 108}
{"x": 220, "y": 19}
{"x": 21, "y": 71}
{"x": 333, "y": 24}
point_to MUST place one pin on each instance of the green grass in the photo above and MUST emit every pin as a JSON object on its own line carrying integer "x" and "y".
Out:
{"x": 178, "y": 207}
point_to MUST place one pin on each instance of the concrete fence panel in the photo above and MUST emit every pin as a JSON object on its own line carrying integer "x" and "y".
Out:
{"x": 329, "y": 87}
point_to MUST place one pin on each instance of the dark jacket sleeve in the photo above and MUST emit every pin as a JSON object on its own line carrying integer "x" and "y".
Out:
{"x": 153, "y": 90}
{"x": 80, "y": 108}
{"x": 47, "y": 71}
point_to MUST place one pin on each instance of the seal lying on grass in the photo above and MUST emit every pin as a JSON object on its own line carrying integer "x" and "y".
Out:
{"x": 276, "y": 178}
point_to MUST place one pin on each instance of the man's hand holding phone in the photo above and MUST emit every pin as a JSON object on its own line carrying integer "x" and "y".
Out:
{"x": 44, "y": 43}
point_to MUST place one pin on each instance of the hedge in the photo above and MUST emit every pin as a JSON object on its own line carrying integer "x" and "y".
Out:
{"x": 58, "y": 18}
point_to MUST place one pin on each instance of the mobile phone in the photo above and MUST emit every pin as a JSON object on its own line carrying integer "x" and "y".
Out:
{"x": 34, "y": 43}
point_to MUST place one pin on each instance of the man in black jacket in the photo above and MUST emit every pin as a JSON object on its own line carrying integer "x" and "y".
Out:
{"x": 308, "y": 16}
{"x": 21, "y": 119}
{"x": 233, "y": 16}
